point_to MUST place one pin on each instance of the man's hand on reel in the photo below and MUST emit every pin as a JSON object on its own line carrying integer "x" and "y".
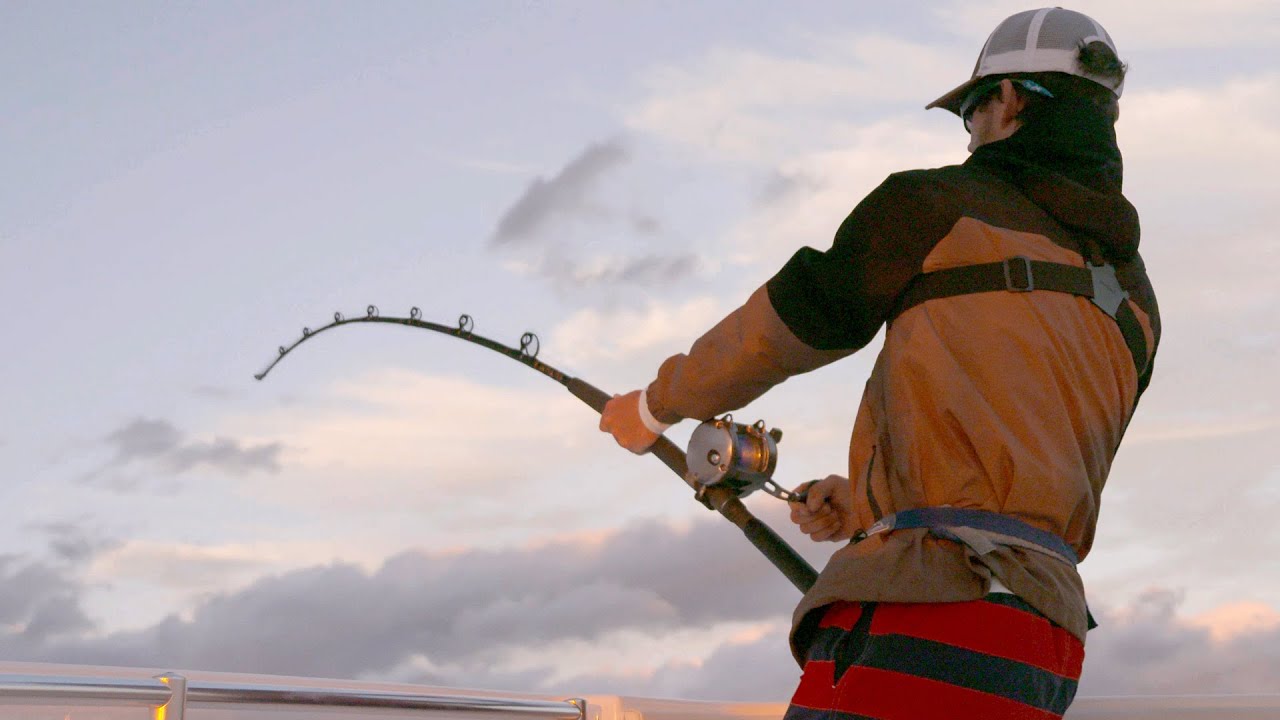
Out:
{"x": 827, "y": 512}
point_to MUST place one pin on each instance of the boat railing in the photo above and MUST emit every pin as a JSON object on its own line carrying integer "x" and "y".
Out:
{"x": 169, "y": 694}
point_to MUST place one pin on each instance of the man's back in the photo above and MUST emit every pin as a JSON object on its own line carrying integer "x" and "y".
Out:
{"x": 1007, "y": 401}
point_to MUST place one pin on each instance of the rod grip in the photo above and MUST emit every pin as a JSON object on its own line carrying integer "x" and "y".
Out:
{"x": 797, "y": 569}
{"x": 783, "y": 556}
{"x": 588, "y": 393}
{"x": 769, "y": 543}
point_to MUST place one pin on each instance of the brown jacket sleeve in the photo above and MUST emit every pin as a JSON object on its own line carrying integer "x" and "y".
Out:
{"x": 820, "y": 307}
{"x": 735, "y": 362}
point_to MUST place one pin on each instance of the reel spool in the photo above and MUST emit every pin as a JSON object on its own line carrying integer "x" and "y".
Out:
{"x": 737, "y": 456}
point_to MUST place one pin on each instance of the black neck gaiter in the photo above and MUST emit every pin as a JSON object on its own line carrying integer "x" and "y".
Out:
{"x": 1067, "y": 163}
{"x": 1074, "y": 139}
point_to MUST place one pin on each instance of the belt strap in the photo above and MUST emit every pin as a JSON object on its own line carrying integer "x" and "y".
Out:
{"x": 981, "y": 530}
{"x": 1021, "y": 274}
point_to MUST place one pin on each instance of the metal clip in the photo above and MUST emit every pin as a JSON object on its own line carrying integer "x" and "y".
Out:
{"x": 1008, "y": 274}
{"x": 884, "y": 524}
{"x": 1107, "y": 293}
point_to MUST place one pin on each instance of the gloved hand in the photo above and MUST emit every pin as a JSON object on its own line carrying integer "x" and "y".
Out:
{"x": 621, "y": 418}
{"x": 827, "y": 513}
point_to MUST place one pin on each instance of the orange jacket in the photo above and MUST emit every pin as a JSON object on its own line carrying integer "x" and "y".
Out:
{"x": 1001, "y": 401}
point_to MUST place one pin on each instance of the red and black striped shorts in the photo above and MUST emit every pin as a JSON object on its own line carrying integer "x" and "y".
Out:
{"x": 993, "y": 658}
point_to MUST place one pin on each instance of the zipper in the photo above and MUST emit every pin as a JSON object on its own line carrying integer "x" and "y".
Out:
{"x": 871, "y": 498}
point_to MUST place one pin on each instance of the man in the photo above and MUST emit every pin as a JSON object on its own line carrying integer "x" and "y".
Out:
{"x": 1021, "y": 330}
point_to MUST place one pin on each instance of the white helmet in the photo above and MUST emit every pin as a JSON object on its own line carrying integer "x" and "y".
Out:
{"x": 1044, "y": 40}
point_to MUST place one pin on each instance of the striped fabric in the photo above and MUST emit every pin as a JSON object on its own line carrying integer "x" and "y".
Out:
{"x": 992, "y": 659}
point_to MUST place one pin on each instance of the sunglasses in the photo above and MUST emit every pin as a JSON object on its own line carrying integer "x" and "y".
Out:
{"x": 980, "y": 93}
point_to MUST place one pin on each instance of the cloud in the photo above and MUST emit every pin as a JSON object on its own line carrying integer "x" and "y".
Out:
{"x": 742, "y": 664}
{"x": 465, "y": 608}
{"x": 413, "y": 436}
{"x": 38, "y": 602}
{"x": 136, "y": 581}
{"x": 572, "y": 269}
{"x": 828, "y": 115}
{"x": 822, "y": 157}
{"x": 822, "y": 126}
{"x": 394, "y": 457}
{"x": 565, "y": 195}
{"x": 182, "y": 566}
{"x": 608, "y": 271}
{"x": 1140, "y": 25}
{"x": 160, "y": 443}
{"x": 74, "y": 542}
{"x": 646, "y": 224}
{"x": 744, "y": 106}
{"x": 573, "y": 258}
{"x": 1182, "y": 163}
{"x": 651, "y": 609}
{"x": 1147, "y": 649}
{"x": 594, "y": 336}
{"x": 1234, "y": 620}
{"x": 1173, "y": 508}
{"x": 212, "y": 392}
{"x": 1198, "y": 426}
{"x": 779, "y": 186}
{"x": 722, "y": 675}
{"x": 811, "y": 192}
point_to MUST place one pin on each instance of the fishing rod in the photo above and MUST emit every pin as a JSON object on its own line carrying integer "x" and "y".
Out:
{"x": 730, "y": 459}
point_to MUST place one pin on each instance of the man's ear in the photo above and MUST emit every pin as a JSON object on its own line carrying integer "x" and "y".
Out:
{"x": 1011, "y": 103}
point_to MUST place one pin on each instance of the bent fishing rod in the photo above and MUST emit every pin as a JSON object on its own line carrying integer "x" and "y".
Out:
{"x": 730, "y": 460}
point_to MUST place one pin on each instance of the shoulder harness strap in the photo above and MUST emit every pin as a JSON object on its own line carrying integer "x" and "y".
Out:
{"x": 1021, "y": 274}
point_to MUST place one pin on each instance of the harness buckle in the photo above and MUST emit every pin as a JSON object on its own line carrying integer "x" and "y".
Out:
{"x": 1024, "y": 272}
{"x": 1107, "y": 292}
{"x": 884, "y": 524}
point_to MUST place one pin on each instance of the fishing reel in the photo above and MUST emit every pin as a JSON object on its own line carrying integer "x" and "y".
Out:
{"x": 739, "y": 457}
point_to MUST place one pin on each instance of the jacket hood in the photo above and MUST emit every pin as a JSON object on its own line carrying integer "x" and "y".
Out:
{"x": 1067, "y": 162}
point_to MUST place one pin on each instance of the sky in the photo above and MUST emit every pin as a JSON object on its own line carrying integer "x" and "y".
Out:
{"x": 188, "y": 185}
